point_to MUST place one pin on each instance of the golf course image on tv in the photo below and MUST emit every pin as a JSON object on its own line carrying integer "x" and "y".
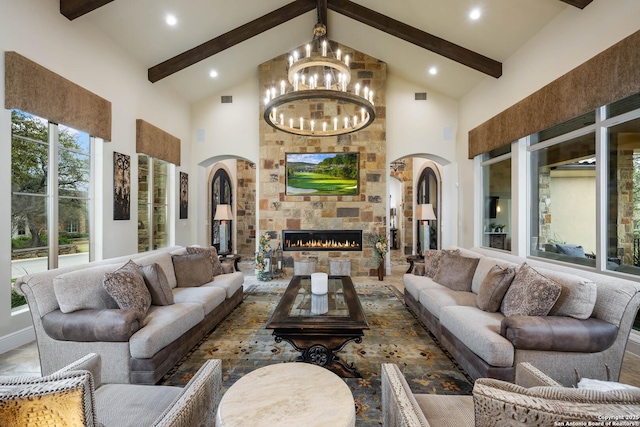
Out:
{"x": 322, "y": 174}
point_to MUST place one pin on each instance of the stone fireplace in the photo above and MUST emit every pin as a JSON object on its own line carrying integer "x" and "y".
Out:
{"x": 322, "y": 240}
{"x": 363, "y": 213}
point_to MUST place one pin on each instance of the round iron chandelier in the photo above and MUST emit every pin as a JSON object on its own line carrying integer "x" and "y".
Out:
{"x": 316, "y": 100}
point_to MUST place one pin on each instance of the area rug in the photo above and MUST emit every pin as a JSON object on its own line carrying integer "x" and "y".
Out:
{"x": 396, "y": 336}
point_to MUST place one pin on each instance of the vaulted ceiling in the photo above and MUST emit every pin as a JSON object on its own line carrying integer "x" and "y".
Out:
{"x": 234, "y": 37}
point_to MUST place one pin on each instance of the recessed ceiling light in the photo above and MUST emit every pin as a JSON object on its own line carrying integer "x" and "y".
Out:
{"x": 433, "y": 71}
{"x": 475, "y": 14}
{"x": 171, "y": 20}
{"x": 213, "y": 74}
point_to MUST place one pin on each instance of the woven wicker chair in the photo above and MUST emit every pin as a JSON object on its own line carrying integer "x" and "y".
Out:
{"x": 75, "y": 396}
{"x": 535, "y": 400}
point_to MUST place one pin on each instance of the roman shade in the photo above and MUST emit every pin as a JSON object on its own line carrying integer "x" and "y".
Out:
{"x": 609, "y": 76}
{"x": 157, "y": 143}
{"x": 34, "y": 89}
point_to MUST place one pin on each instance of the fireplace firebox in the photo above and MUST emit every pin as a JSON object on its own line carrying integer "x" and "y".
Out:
{"x": 322, "y": 240}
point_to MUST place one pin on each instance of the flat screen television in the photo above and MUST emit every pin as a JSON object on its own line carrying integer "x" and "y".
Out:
{"x": 322, "y": 174}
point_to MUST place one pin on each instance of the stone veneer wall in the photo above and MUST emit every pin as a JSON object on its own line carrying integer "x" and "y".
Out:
{"x": 405, "y": 212}
{"x": 365, "y": 211}
{"x": 246, "y": 209}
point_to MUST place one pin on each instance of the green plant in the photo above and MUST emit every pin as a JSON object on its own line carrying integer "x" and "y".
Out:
{"x": 380, "y": 245}
{"x": 17, "y": 300}
{"x": 263, "y": 249}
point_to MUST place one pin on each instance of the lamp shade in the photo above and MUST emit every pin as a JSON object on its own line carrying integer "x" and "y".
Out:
{"x": 223, "y": 213}
{"x": 425, "y": 212}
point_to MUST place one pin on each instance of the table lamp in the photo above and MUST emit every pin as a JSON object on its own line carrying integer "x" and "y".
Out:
{"x": 425, "y": 214}
{"x": 223, "y": 214}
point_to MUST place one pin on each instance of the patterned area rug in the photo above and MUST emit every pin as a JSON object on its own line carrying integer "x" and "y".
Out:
{"x": 396, "y": 336}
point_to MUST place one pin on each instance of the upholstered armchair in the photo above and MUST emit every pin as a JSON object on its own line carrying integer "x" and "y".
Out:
{"x": 535, "y": 400}
{"x": 75, "y": 396}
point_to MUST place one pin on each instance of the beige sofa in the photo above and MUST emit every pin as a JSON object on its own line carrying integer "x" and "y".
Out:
{"x": 585, "y": 333}
{"x": 73, "y": 315}
{"x": 536, "y": 400}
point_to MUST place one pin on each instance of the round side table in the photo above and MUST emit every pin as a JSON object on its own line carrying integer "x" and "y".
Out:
{"x": 287, "y": 394}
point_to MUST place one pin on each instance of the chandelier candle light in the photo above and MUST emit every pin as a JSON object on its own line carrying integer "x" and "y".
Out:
{"x": 320, "y": 78}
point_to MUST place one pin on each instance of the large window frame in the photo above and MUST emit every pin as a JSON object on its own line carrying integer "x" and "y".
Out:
{"x": 76, "y": 196}
{"x": 496, "y": 234}
{"x": 153, "y": 203}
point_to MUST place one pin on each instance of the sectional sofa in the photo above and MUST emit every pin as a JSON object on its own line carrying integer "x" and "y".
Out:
{"x": 584, "y": 333}
{"x": 74, "y": 312}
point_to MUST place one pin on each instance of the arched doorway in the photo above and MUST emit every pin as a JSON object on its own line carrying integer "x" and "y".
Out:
{"x": 427, "y": 192}
{"x": 221, "y": 194}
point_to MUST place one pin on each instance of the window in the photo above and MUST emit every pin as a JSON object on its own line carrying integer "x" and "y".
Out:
{"x": 220, "y": 195}
{"x": 496, "y": 184}
{"x": 427, "y": 193}
{"x": 152, "y": 203}
{"x": 563, "y": 205}
{"x": 50, "y": 173}
{"x": 623, "y": 221}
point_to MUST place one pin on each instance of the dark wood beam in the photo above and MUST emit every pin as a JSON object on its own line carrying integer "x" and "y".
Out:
{"x": 418, "y": 37}
{"x": 73, "y": 9}
{"x": 578, "y": 3}
{"x": 230, "y": 39}
{"x": 322, "y": 12}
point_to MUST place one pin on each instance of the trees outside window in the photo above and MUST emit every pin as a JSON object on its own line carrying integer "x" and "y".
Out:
{"x": 50, "y": 176}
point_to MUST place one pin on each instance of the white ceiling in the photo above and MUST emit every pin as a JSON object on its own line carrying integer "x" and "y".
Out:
{"x": 139, "y": 27}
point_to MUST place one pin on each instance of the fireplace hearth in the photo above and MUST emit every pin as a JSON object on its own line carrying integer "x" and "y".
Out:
{"x": 322, "y": 240}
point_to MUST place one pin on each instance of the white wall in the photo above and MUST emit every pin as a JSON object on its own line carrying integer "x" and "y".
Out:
{"x": 419, "y": 127}
{"x": 222, "y": 131}
{"x": 72, "y": 49}
{"x": 572, "y": 38}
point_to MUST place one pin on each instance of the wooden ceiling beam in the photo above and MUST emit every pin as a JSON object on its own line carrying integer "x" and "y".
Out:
{"x": 417, "y": 37}
{"x": 230, "y": 39}
{"x": 322, "y": 11}
{"x": 581, "y": 4}
{"x": 73, "y": 9}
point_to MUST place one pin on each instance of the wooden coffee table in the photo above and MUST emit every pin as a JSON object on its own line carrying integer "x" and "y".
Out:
{"x": 320, "y": 325}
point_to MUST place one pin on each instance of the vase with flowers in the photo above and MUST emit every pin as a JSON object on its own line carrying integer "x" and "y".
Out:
{"x": 263, "y": 258}
{"x": 380, "y": 247}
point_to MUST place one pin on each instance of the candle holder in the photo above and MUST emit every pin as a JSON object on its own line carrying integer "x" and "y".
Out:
{"x": 278, "y": 263}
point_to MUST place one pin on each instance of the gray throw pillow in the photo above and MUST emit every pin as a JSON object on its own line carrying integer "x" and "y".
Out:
{"x": 455, "y": 271}
{"x": 493, "y": 288}
{"x": 432, "y": 261}
{"x": 158, "y": 284}
{"x": 192, "y": 269}
{"x": 126, "y": 286}
{"x": 82, "y": 289}
{"x": 530, "y": 294}
{"x": 213, "y": 253}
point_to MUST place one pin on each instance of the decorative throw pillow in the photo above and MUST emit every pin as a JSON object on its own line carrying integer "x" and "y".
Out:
{"x": 493, "y": 288}
{"x": 530, "y": 294}
{"x": 432, "y": 261}
{"x": 126, "y": 286}
{"x": 158, "y": 284}
{"x": 418, "y": 270}
{"x": 455, "y": 271}
{"x": 58, "y": 399}
{"x": 227, "y": 268}
{"x": 192, "y": 269}
{"x": 213, "y": 253}
{"x": 82, "y": 289}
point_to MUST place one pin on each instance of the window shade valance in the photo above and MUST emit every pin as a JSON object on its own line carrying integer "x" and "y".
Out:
{"x": 157, "y": 143}
{"x": 34, "y": 89}
{"x": 609, "y": 76}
